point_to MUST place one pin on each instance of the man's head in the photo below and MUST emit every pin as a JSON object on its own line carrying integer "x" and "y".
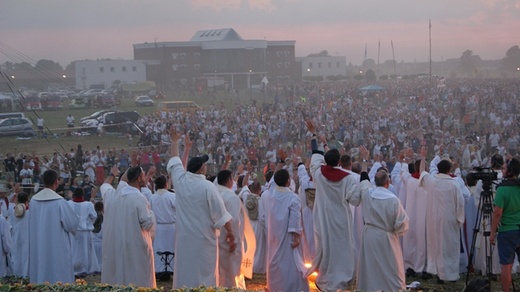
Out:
{"x": 382, "y": 179}
{"x": 160, "y": 182}
{"x": 136, "y": 176}
{"x": 444, "y": 166}
{"x": 281, "y": 178}
{"x": 332, "y": 157}
{"x": 255, "y": 187}
{"x": 78, "y": 194}
{"x": 357, "y": 167}
{"x": 513, "y": 168}
{"x": 197, "y": 164}
{"x": 497, "y": 161}
{"x": 50, "y": 179}
{"x": 346, "y": 162}
{"x": 225, "y": 178}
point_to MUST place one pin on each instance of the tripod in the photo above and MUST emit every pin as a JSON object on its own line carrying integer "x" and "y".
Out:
{"x": 483, "y": 218}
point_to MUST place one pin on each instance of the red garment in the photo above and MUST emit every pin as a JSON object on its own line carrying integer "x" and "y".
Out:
{"x": 332, "y": 173}
{"x": 416, "y": 175}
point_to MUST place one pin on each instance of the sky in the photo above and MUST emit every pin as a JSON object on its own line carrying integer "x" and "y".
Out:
{"x": 64, "y": 31}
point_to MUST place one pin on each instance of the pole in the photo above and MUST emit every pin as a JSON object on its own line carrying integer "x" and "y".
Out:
{"x": 430, "y": 55}
{"x": 393, "y": 57}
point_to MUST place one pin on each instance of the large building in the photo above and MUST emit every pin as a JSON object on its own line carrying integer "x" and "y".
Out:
{"x": 103, "y": 73}
{"x": 219, "y": 57}
{"x": 323, "y": 66}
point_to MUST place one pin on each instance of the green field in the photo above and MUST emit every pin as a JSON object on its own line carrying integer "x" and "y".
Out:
{"x": 57, "y": 141}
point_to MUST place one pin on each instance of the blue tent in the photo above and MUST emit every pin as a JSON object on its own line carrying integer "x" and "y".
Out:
{"x": 373, "y": 87}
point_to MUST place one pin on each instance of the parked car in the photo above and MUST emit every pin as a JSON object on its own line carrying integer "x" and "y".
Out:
{"x": 155, "y": 94}
{"x": 96, "y": 115}
{"x": 52, "y": 102}
{"x": 144, "y": 100}
{"x": 114, "y": 121}
{"x": 104, "y": 100}
{"x": 33, "y": 103}
{"x": 77, "y": 103}
{"x": 17, "y": 126}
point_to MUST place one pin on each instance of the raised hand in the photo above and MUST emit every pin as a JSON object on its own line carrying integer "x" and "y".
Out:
{"x": 310, "y": 126}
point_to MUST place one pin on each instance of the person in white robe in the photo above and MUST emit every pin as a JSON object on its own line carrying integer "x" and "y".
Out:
{"x": 19, "y": 220}
{"x": 414, "y": 241}
{"x": 335, "y": 259}
{"x": 200, "y": 215}
{"x": 381, "y": 264}
{"x": 132, "y": 242}
{"x": 163, "y": 206}
{"x": 6, "y": 245}
{"x": 51, "y": 223}
{"x": 284, "y": 237}
{"x": 254, "y": 209}
{"x": 357, "y": 211}
{"x": 84, "y": 254}
{"x": 111, "y": 198}
{"x": 456, "y": 174}
{"x": 306, "y": 184}
{"x": 230, "y": 275}
{"x": 445, "y": 218}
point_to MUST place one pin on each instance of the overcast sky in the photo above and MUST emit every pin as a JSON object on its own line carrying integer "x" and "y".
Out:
{"x": 65, "y": 31}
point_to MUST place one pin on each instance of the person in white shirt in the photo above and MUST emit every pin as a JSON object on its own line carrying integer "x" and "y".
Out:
{"x": 70, "y": 121}
{"x": 163, "y": 204}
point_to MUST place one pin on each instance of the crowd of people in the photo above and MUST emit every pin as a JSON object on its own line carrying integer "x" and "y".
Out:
{"x": 325, "y": 175}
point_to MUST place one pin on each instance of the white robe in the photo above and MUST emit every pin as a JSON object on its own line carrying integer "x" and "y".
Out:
{"x": 6, "y": 245}
{"x": 84, "y": 254}
{"x": 309, "y": 246}
{"x": 51, "y": 223}
{"x": 200, "y": 215}
{"x": 128, "y": 252}
{"x": 335, "y": 247}
{"x": 284, "y": 218}
{"x": 20, "y": 250}
{"x": 381, "y": 264}
{"x": 445, "y": 215}
{"x": 260, "y": 236}
{"x": 229, "y": 262}
{"x": 163, "y": 206}
{"x": 414, "y": 241}
{"x": 111, "y": 198}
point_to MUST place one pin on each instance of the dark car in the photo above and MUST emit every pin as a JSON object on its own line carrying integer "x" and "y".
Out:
{"x": 122, "y": 122}
{"x": 144, "y": 100}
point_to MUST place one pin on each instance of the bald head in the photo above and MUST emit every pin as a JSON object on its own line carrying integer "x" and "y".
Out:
{"x": 381, "y": 179}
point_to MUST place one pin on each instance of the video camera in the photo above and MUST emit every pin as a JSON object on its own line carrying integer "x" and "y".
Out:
{"x": 486, "y": 174}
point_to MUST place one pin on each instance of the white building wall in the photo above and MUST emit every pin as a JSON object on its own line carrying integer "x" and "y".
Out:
{"x": 324, "y": 66}
{"x": 107, "y": 71}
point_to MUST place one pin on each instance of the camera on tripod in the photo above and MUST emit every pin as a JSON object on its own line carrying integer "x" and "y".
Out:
{"x": 487, "y": 175}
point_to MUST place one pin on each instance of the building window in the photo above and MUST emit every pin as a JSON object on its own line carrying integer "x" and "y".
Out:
{"x": 196, "y": 54}
{"x": 197, "y": 66}
{"x": 134, "y": 68}
{"x": 182, "y": 55}
{"x": 112, "y": 69}
{"x": 279, "y": 53}
{"x": 310, "y": 65}
{"x": 123, "y": 69}
{"x": 174, "y": 56}
{"x": 319, "y": 65}
{"x": 174, "y": 67}
{"x": 279, "y": 64}
{"x": 337, "y": 64}
{"x": 101, "y": 69}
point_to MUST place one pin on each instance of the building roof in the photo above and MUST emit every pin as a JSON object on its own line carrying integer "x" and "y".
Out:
{"x": 222, "y": 34}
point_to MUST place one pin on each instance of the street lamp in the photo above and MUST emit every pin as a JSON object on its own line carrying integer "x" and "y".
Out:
{"x": 64, "y": 76}
{"x": 12, "y": 76}
{"x": 249, "y": 82}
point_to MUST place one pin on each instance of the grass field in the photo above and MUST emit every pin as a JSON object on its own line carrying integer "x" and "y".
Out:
{"x": 57, "y": 141}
